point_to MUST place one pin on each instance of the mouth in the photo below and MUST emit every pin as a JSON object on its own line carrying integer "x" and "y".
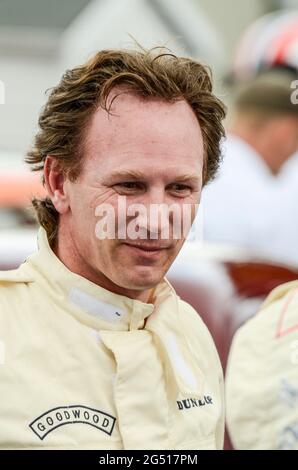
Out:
{"x": 148, "y": 246}
{"x": 149, "y": 250}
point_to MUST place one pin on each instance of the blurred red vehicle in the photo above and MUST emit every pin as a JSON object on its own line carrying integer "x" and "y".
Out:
{"x": 17, "y": 223}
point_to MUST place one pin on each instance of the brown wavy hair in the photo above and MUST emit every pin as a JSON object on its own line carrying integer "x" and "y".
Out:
{"x": 150, "y": 74}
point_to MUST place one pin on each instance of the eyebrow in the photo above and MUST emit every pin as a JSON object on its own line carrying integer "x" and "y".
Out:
{"x": 133, "y": 174}
{"x": 138, "y": 175}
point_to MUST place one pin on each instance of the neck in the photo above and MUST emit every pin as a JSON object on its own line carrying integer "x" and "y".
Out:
{"x": 258, "y": 140}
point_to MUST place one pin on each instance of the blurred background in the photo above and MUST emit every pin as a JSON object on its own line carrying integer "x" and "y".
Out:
{"x": 249, "y": 214}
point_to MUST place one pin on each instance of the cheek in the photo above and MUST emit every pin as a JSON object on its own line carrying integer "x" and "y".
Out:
{"x": 89, "y": 197}
{"x": 84, "y": 220}
{"x": 102, "y": 255}
{"x": 84, "y": 205}
{"x": 100, "y": 195}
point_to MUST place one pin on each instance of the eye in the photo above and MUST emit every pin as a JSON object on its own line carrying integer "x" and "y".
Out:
{"x": 180, "y": 189}
{"x": 128, "y": 186}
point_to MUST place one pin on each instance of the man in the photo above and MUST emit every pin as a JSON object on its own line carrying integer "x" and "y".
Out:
{"x": 262, "y": 376}
{"x": 252, "y": 203}
{"x": 100, "y": 351}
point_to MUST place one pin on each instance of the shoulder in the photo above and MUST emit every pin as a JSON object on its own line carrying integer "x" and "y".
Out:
{"x": 10, "y": 283}
{"x": 14, "y": 277}
{"x": 197, "y": 332}
{"x": 277, "y": 316}
{"x": 281, "y": 294}
{"x": 274, "y": 315}
{"x": 259, "y": 362}
{"x": 191, "y": 318}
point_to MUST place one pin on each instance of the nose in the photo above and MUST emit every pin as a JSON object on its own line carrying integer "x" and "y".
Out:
{"x": 153, "y": 219}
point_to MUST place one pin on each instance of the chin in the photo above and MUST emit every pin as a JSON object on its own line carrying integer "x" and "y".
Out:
{"x": 142, "y": 280}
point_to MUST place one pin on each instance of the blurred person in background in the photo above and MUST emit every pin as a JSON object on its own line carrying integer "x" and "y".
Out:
{"x": 252, "y": 202}
{"x": 262, "y": 376}
{"x": 95, "y": 334}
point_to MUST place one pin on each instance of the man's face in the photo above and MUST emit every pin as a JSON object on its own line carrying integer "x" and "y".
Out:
{"x": 151, "y": 152}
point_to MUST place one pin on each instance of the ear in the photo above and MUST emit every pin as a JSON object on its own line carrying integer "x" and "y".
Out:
{"x": 55, "y": 184}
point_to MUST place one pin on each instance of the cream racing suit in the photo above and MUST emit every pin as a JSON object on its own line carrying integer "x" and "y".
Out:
{"x": 84, "y": 368}
{"x": 262, "y": 375}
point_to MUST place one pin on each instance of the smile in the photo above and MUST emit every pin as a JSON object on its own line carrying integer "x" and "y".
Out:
{"x": 146, "y": 250}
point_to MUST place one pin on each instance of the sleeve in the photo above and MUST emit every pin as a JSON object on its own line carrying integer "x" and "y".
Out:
{"x": 245, "y": 390}
{"x": 205, "y": 345}
{"x": 220, "y": 429}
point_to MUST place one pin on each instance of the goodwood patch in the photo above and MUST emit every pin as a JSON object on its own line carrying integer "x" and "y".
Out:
{"x": 73, "y": 414}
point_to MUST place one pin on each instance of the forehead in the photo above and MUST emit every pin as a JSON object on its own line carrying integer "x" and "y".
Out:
{"x": 145, "y": 132}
